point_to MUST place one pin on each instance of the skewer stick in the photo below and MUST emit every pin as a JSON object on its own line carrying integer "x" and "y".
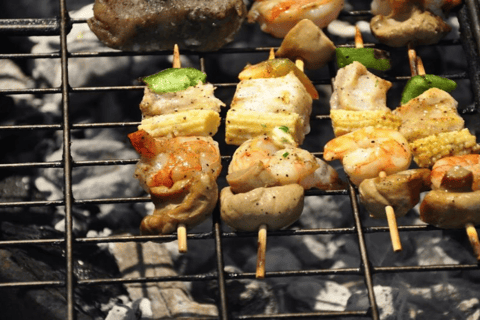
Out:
{"x": 271, "y": 55}
{"x": 473, "y": 237}
{"x": 420, "y": 67}
{"x": 176, "y": 57}
{"x": 390, "y": 213}
{"x": 181, "y": 228}
{"x": 358, "y": 38}
{"x": 412, "y": 59}
{"x": 392, "y": 223}
{"x": 262, "y": 249}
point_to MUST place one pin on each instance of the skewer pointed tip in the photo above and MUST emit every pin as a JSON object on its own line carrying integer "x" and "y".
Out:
{"x": 358, "y": 38}
{"x": 176, "y": 57}
{"x": 271, "y": 55}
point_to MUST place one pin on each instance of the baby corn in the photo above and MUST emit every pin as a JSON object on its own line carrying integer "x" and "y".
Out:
{"x": 428, "y": 150}
{"x": 242, "y": 125}
{"x": 184, "y": 123}
{"x": 345, "y": 121}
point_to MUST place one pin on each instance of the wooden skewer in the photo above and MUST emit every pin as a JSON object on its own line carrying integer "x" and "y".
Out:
{"x": 390, "y": 213}
{"x": 181, "y": 228}
{"x": 420, "y": 67}
{"x": 412, "y": 59}
{"x": 358, "y": 38}
{"x": 392, "y": 223}
{"x": 473, "y": 237}
{"x": 262, "y": 249}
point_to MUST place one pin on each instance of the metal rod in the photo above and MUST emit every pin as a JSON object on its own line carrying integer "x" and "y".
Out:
{"x": 67, "y": 158}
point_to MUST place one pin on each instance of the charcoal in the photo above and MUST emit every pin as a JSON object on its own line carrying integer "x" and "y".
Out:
{"x": 47, "y": 263}
{"x": 17, "y": 188}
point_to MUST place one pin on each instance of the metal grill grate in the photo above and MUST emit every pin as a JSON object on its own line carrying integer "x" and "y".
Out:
{"x": 61, "y": 26}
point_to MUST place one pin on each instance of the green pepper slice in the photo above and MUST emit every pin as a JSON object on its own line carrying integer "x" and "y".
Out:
{"x": 421, "y": 83}
{"x": 174, "y": 79}
{"x": 371, "y": 58}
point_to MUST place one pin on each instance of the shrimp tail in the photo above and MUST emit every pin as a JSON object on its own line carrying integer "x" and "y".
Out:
{"x": 144, "y": 143}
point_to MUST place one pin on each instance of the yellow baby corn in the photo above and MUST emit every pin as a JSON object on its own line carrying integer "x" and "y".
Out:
{"x": 345, "y": 121}
{"x": 242, "y": 125}
{"x": 428, "y": 150}
{"x": 183, "y": 123}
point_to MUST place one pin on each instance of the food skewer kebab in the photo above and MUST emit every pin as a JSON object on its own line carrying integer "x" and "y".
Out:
{"x": 454, "y": 201}
{"x": 361, "y": 148}
{"x": 179, "y": 160}
{"x": 430, "y": 121}
{"x": 267, "y": 176}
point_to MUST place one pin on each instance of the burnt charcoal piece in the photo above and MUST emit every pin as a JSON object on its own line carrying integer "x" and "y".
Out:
{"x": 150, "y": 25}
{"x": 47, "y": 263}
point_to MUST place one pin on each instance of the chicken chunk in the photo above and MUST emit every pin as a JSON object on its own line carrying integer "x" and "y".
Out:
{"x": 357, "y": 89}
{"x": 432, "y": 112}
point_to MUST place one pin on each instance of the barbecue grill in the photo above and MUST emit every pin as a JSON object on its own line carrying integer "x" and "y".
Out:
{"x": 60, "y": 26}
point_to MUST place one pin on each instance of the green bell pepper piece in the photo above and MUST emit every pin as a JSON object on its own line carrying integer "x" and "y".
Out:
{"x": 174, "y": 79}
{"x": 369, "y": 57}
{"x": 419, "y": 84}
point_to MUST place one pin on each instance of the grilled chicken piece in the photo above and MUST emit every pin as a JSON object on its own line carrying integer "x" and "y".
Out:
{"x": 284, "y": 94}
{"x": 307, "y": 42}
{"x": 432, "y": 112}
{"x": 149, "y": 25}
{"x": 199, "y": 97}
{"x": 455, "y": 204}
{"x": 401, "y": 191}
{"x": 277, "y": 207}
{"x": 357, "y": 89}
{"x": 409, "y": 24}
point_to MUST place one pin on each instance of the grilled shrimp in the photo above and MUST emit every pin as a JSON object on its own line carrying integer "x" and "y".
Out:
{"x": 470, "y": 162}
{"x": 368, "y": 151}
{"x": 172, "y": 163}
{"x": 261, "y": 162}
{"x": 277, "y": 17}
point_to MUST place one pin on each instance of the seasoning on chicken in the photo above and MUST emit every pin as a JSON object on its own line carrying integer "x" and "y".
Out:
{"x": 270, "y": 94}
{"x": 432, "y": 112}
{"x": 278, "y": 17}
{"x": 150, "y": 25}
{"x": 400, "y": 190}
{"x": 454, "y": 205}
{"x": 359, "y": 100}
{"x": 306, "y": 41}
{"x": 368, "y": 151}
{"x": 402, "y": 22}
